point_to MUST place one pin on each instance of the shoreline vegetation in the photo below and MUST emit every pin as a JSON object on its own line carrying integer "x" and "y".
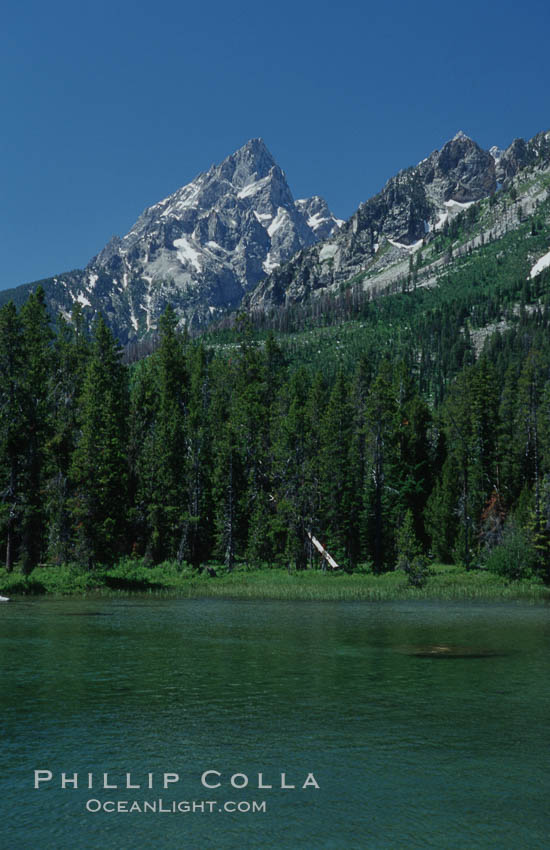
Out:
{"x": 133, "y": 577}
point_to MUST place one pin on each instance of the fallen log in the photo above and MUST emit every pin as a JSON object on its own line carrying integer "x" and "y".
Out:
{"x": 321, "y": 549}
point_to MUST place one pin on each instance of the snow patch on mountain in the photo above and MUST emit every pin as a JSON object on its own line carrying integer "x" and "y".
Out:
{"x": 410, "y": 248}
{"x": 187, "y": 253}
{"x": 270, "y": 264}
{"x": 457, "y": 205}
{"x": 540, "y": 265}
{"x": 253, "y": 188}
{"x": 279, "y": 221}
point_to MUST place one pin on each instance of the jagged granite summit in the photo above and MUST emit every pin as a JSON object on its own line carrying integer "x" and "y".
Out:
{"x": 201, "y": 249}
{"x": 375, "y": 246}
{"x": 209, "y": 243}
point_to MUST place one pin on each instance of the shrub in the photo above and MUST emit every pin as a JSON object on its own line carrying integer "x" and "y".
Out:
{"x": 515, "y": 558}
{"x": 418, "y": 571}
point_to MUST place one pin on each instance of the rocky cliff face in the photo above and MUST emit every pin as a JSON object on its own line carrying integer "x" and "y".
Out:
{"x": 377, "y": 246}
{"x": 415, "y": 202}
{"x": 318, "y": 216}
{"x": 201, "y": 249}
{"x": 521, "y": 154}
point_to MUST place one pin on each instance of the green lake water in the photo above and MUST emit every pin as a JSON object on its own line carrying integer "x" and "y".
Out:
{"x": 410, "y": 748}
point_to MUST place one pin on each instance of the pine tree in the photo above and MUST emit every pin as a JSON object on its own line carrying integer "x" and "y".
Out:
{"x": 251, "y": 427}
{"x": 100, "y": 463}
{"x": 170, "y": 498}
{"x": 442, "y": 511}
{"x": 70, "y": 356}
{"x": 412, "y": 471}
{"x": 197, "y": 537}
{"x": 37, "y": 353}
{"x": 381, "y": 443}
{"x": 292, "y": 496}
{"x": 527, "y": 426}
{"x": 228, "y": 481}
{"x": 161, "y": 455}
{"x": 407, "y": 545}
{"x": 334, "y": 458}
{"x": 12, "y": 432}
{"x": 142, "y": 454}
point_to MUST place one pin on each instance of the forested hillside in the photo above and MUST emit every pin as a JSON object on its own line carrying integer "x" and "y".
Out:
{"x": 392, "y": 428}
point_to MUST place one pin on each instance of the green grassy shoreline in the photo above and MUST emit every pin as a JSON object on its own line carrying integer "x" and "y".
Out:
{"x": 169, "y": 580}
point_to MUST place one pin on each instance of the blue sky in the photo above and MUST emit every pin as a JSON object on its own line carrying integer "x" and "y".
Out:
{"x": 108, "y": 107}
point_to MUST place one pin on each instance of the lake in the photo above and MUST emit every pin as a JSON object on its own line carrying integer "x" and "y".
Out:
{"x": 423, "y": 724}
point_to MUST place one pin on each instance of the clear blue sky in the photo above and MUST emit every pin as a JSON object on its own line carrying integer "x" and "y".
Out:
{"x": 107, "y": 107}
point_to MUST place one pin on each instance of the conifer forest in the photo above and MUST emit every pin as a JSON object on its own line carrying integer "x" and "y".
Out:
{"x": 397, "y": 430}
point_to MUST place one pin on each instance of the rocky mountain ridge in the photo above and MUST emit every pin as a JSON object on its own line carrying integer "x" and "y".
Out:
{"x": 379, "y": 245}
{"x": 236, "y": 237}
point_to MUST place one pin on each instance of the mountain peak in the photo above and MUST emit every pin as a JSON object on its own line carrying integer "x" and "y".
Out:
{"x": 251, "y": 162}
{"x": 257, "y": 144}
{"x": 460, "y": 136}
{"x": 210, "y": 242}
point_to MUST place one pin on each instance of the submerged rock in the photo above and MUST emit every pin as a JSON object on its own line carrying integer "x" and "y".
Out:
{"x": 448, "y": 651}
